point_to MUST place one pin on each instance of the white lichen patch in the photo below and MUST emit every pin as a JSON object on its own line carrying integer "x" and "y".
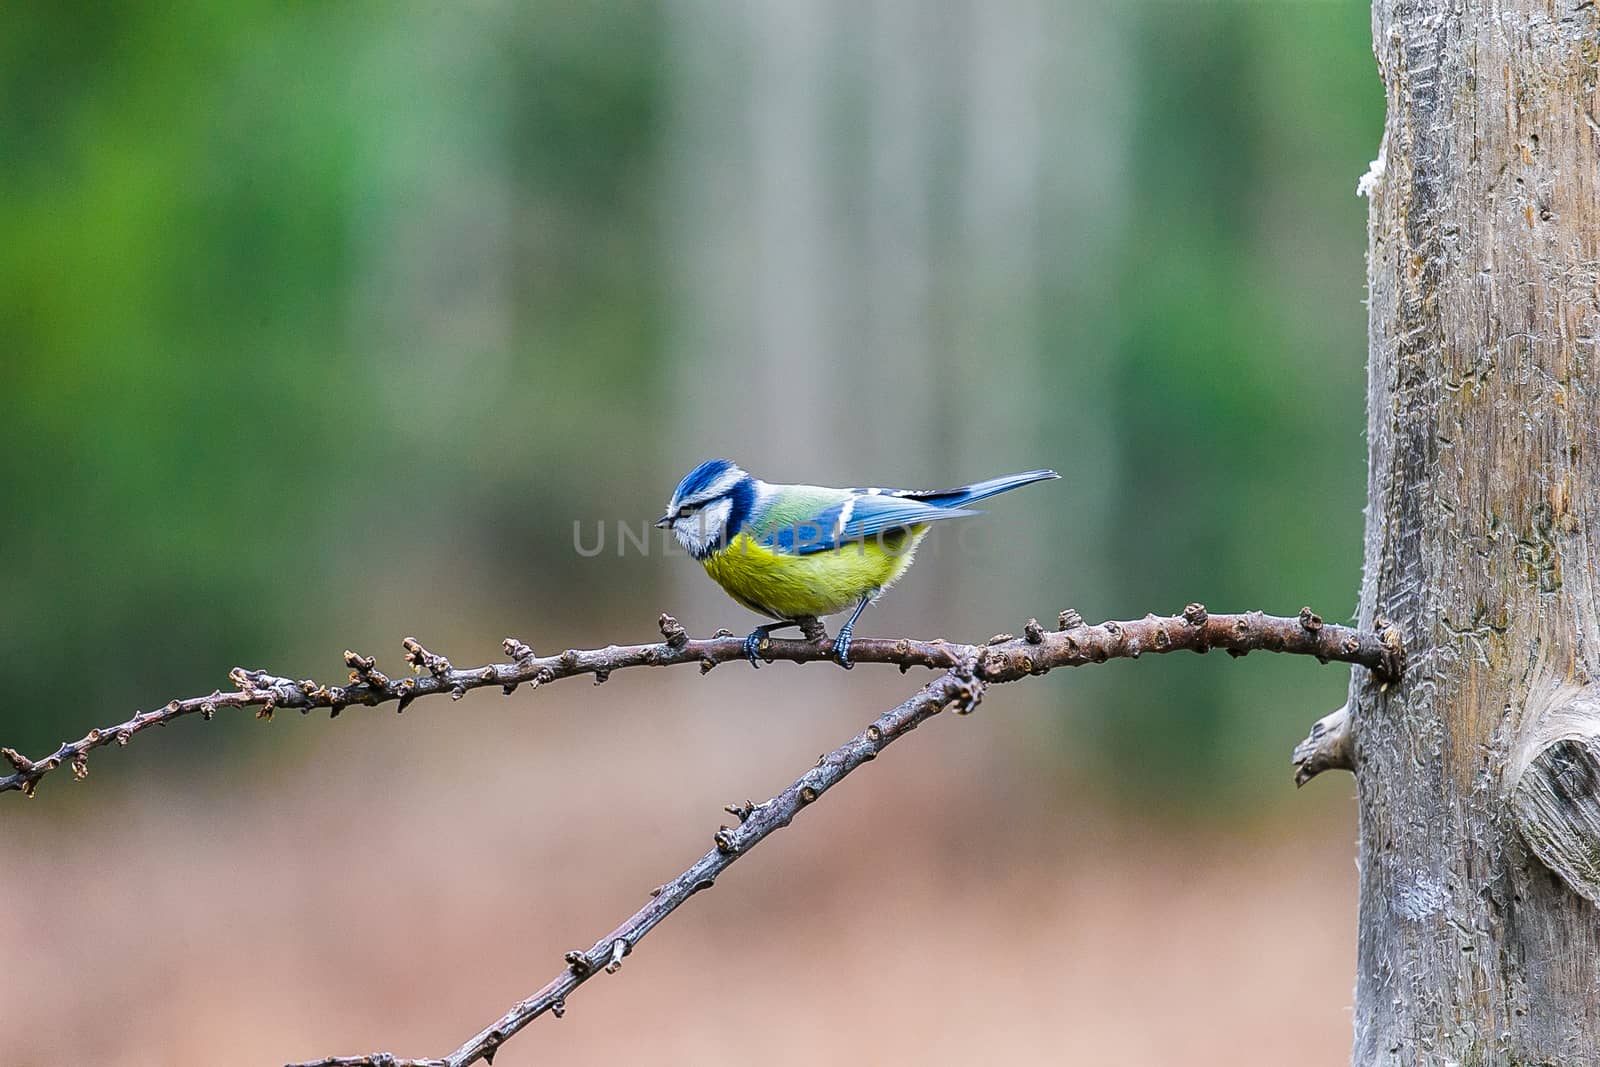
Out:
{"x": 1369, "y": 181}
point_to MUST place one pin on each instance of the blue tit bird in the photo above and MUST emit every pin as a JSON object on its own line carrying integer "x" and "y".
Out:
{"x": 796, "y": 553}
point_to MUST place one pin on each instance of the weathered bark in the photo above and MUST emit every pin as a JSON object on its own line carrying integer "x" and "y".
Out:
{"x": 1484, "y": 500}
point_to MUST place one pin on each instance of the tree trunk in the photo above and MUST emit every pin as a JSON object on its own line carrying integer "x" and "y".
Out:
{"x": 1476, "y": 774}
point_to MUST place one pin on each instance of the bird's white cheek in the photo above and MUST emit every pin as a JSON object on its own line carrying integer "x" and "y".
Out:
{"x": 698, "y": 531}
{"x": 713, "y": 519}
{"x": 684, "y": 531}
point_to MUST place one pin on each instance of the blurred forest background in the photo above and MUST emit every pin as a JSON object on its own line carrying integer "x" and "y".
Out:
{"x": 321, "y": 325}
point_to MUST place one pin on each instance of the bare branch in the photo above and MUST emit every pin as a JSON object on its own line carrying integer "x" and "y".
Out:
{"x": 968, "y": 669}
{"x": 1036, "y": 652}
{"x": 959, "y": 686}
{"x": 1326, "y": 748}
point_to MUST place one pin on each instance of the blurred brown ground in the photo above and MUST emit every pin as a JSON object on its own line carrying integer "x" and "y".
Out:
{"x": 395, "y": 883}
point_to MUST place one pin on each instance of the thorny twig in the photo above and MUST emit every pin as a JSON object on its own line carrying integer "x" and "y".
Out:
{"x": 959, "y": 686}
{"x": 1073, "y": 644}
{"x": 968, "y": 669}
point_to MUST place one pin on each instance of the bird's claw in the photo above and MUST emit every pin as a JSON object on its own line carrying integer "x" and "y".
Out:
{"x": 841, "y": 649}
{"x": 752, "y": 648}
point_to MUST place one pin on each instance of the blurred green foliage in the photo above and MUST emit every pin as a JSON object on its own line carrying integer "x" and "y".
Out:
{"x": 319, "y": 319}
{"x": 1242, "y": 359}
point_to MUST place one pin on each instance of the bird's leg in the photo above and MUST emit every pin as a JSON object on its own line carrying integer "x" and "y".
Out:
{"x": 752, "y": 644}
{"x": 841, "y": 644}
{"x": 811, "y": 627}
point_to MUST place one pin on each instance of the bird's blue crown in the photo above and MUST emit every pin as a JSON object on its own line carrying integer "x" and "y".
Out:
{"x": 702, "y": 478}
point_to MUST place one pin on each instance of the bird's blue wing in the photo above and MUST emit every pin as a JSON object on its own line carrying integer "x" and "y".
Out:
{"x": 858, "y": 518}
{"x": 963, "y": 495}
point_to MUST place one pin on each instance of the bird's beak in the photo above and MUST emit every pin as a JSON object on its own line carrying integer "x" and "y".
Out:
{"x": 663, "y": 522}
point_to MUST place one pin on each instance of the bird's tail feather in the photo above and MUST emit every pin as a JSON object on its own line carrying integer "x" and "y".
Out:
{"x": 968, "y": 494}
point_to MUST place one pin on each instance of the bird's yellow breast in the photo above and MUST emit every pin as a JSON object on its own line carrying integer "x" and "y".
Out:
{"x": 785, "y": 586}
